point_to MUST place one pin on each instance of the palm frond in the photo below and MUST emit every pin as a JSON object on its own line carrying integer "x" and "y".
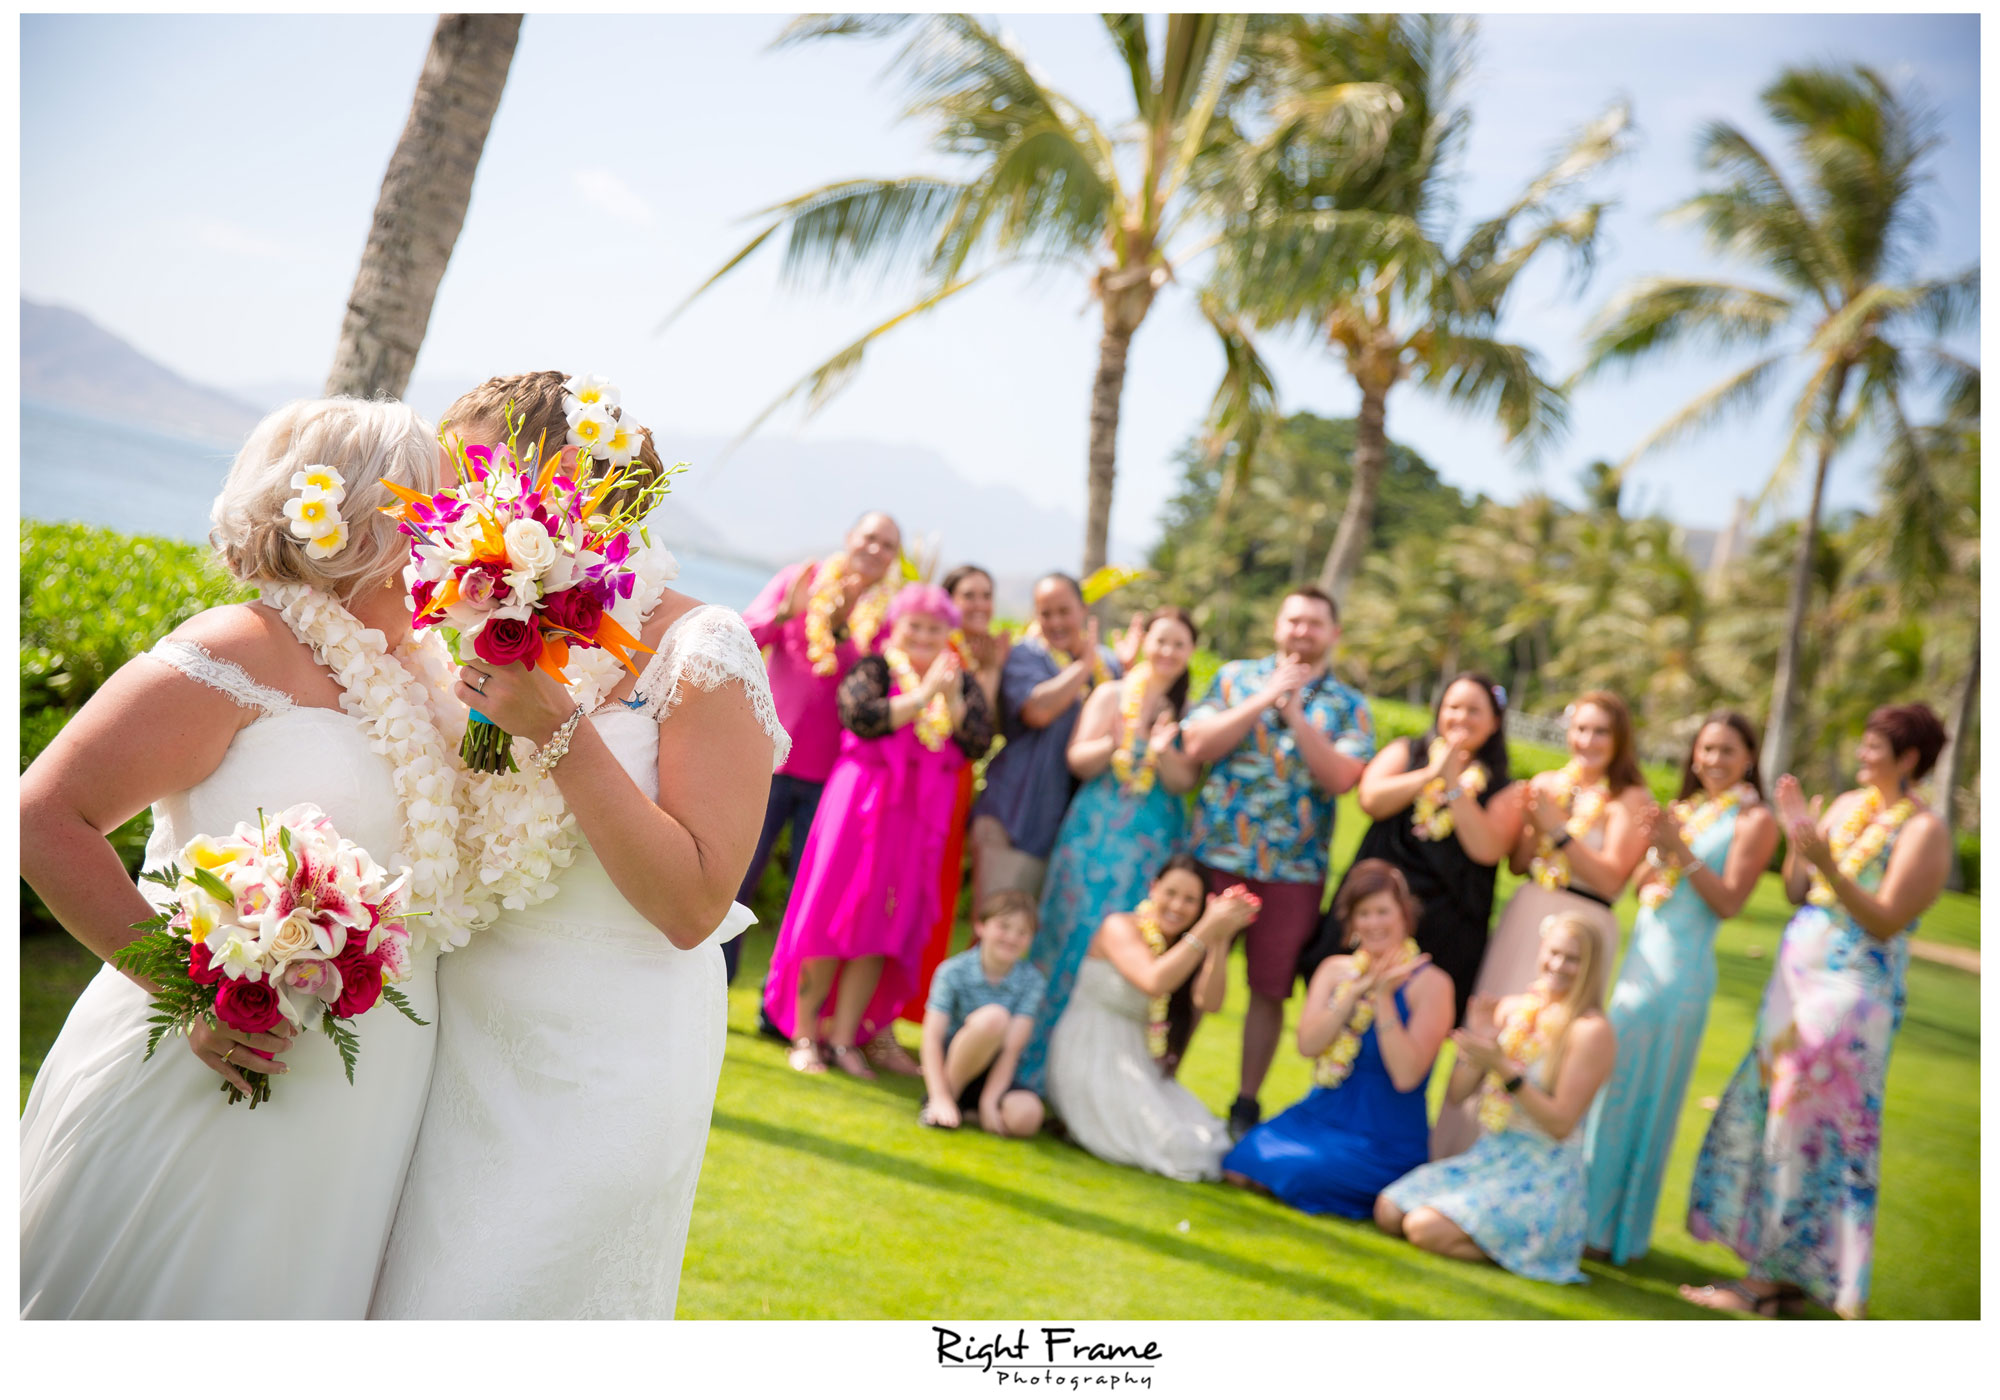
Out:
{"x": 1654, "y": 314}
{"x": 1296, "y": 267}
{"x": 1601, "y": 141}
{"x": 1756, "y": 215}
{"x": 1245, "y": 403}
{"x": 1214, "y": 57}
{"x": 1505, "y": 379}
{"x": 1128, "y": 36}
{"x": 1741, "y": 391}
{"x": 1043, "y": 193}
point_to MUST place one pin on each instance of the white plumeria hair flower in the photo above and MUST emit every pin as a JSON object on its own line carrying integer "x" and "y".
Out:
{"x": 590, "y": 390}
{"x": 591, "y": 427}
{"x": 624, "y": 442}
{"x": 313, "y": 513}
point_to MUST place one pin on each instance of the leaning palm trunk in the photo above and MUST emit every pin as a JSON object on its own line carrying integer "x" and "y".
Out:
{"x": 1785, "y": 688}
{"x": 1357, "y": 521}
{"x": 1127, "y": 295}
{"x": 422, "y": 204}
{"x": 1954, "y": 759}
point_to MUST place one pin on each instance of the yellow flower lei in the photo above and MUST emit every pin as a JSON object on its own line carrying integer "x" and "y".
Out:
{"x": 1099, "y": 673}
{"x": 1136, "y": 776}
{"x": 1156, "y": 1010}
{"x": 934, "y": 720}
{"x": 1431, "y": 819}
{"x": 863, "y": 621}
{"x": 1584, "y": 804}
{"x": 1336, "y": 1062}
{"x": 1694, "y": 818}
{"x": 1524, "y": 1040}
{"x": 1858, "y": 840}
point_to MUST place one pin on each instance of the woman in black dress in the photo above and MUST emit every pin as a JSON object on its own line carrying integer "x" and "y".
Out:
{"x": 1445, "y": 814}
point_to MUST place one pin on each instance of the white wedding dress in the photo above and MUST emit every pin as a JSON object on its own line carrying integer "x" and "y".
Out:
{"x": 144, "y": 1192}
{"x": 1113, "y": 1100}
{"x": 578, "y": 1055}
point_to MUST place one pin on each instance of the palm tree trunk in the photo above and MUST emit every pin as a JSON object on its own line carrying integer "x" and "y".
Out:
{"x": 1955, "y": 746}
{"x": 422, "y": 204}
{"x": 1357, "y": 521}
{"x": 1785, "y": 687}
{"x": 1105, "y": 394}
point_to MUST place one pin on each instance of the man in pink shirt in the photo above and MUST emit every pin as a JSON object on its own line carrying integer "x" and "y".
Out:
{"x": 814, "y": 620}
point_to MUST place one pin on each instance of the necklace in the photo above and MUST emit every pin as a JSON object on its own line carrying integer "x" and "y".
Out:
{"x": 1430, "y": 818}
{"x": 1694, "y": 816}
{"x": 1524, "y": 1038}
{"x": 1858, "y": 840}
{"x": 1135, "y": 774}
{"x": 863, "y": 621}
{"x": 933, "y": 722}
{"x": 1099, "y": 675}
{"x": 1584, "y": 804}
{"x": 1156, "y": 1010}
{"x": 1336, "y": 1062}
{"x": 378, "y": 689}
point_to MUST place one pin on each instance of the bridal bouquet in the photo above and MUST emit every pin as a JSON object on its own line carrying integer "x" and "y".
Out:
{"x": 519, "y": 561}
{"x": 286, "y": 921}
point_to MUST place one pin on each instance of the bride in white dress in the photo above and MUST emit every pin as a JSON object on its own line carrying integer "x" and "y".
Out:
{"x": 144, "y": 1192}
{"x": 581, "y": 1038}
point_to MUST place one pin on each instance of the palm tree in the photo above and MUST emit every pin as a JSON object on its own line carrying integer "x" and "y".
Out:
{"x": 1353, "y": 251}
{"x": 1046, "y": 183}
{"x": 422, "y": 204}
{"x": 1833, "y": 248}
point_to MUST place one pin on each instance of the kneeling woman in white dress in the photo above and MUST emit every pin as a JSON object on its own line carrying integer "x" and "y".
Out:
{"x": 581, "y": 1036}
{"x": 1104, "y": 1077}
{"x": 144, "y": 1192}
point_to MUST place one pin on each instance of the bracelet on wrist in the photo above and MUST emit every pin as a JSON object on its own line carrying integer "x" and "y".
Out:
{"x": 1512, "y": 1083}
{"x": 1563, "y": 839}
{"x": 550, "y": 754}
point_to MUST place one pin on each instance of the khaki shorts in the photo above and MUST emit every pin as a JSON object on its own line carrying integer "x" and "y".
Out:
{"x": 997, "y": 866}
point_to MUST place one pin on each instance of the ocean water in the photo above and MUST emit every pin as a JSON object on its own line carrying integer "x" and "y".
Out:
{"x": 76, "y": 467}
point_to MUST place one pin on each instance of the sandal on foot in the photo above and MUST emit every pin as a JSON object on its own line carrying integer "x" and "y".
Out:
{"x": 1710, "y": 1295}
{"x": 804, "y": 1056}
{"x": 849, "y": 1060}
{"x": 884, "y": 1053}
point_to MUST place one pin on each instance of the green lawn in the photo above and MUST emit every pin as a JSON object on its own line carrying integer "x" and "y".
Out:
{"x": 823, "y": 1198}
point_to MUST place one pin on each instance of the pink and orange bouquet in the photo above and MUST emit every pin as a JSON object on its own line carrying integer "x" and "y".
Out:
{"x": 284, "y": 921}
{"x": 521, "y": 560}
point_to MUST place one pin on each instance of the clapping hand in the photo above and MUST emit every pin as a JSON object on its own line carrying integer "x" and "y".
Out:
{"x": 1791, "y": 802}
{"x": 1130, "y": 640}
{"x": 1165, "y": 730}
{"x": 1451, "y": 764}
{"x": 797, "y": 593}
{"x": 1481, "y": 1050}
{"x": 1288, "y": 678}
{"x": 1479, "y": 1015}
{"x": 941, "y": 673}
{"x": 1544, "y": 813}
{"x": 1810, "y": 841}
{"x": 1385, "y": 982}
{"x": 1233, "y": 910}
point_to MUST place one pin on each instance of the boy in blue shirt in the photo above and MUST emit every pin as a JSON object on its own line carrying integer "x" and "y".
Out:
{"x": 977, "y": 1021}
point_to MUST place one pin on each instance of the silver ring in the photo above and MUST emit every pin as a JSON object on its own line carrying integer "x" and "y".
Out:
{"x": 479, "y": 688}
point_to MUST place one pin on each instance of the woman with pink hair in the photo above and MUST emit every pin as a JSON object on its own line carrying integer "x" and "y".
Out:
{"x": 850, "y": 949}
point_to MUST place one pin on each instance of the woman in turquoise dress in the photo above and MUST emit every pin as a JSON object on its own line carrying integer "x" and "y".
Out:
{"x": 1125, "y": 821}
{"x": 1373, "y": 1020}
{"x": 1788, "y": 1173}
{"x": 1516, "y": 1196}
{"x": 1705, "y": 862}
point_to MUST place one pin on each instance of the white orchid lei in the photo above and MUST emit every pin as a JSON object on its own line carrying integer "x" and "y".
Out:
{"x": 518, "y": 832}
{"x": 378, "y": 689}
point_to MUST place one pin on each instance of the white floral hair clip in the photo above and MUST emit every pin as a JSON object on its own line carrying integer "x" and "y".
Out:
{"x": 314, "y": 512}
{"x": 588, "y": 401}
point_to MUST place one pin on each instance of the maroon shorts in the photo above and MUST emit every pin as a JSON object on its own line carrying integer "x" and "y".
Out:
{"x": 1279, "y": 933}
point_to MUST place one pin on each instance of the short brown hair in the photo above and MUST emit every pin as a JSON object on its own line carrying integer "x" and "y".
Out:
{"x": 1907, "y": 727}
{"x": 1317, "y": 594}
{"x": 1366, "y": 878}
{"x": 536, "y": 400}
{"x": 1001, "y": 903}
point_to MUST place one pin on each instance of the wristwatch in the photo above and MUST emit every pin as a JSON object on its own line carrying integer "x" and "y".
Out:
{"x": 1512, "y": 1084}
{"x": 1564, "y": 839}
{"x": 1452, "y": 794}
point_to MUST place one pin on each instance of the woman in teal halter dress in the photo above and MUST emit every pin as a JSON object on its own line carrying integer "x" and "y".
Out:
{"x": 1789, "y": 1171}
{"x": 1122, "y": 825}
{"x": 1707, "y": 858}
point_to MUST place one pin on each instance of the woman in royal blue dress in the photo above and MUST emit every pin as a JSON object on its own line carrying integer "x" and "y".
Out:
{"x": 1536, "y": 1061}
{"x": 1373, "y": 1021}
{"x": 1124, "y": 822}
{"x": 1707, "y": 855}
{"x": 1788, "y": 1174}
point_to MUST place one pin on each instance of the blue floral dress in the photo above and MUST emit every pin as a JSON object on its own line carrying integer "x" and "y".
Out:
{"x": 1111, "y": 845}
{"x": 1332, "y": 1152}
{"x": 1658, "y": 1009}
{"x": 1788, "y": 1172}
{"x": 1517, "y": 1192}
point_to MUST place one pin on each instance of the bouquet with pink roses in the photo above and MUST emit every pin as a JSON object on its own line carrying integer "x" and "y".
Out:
{"x": 283, "y": 921}
{"x": 520, "y": 560}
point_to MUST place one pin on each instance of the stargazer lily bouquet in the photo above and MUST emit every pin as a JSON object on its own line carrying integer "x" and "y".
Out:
{"x": 282, "y": 921}
{"x": 521, "y": 560}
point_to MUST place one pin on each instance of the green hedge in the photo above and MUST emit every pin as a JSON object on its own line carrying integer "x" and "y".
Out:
{"x": 91, "y": 600}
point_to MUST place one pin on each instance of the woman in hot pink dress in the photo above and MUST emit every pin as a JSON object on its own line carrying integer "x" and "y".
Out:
{"x": 850, "y": 951}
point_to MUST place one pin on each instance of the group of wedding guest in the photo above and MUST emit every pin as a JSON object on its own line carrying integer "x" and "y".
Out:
{"x": 1108, "y": 903}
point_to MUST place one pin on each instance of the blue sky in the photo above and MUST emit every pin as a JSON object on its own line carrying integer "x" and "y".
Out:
{"x": 203, "y": 186}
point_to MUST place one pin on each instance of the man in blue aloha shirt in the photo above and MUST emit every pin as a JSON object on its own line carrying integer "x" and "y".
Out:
{"x": 1285, "y": 739}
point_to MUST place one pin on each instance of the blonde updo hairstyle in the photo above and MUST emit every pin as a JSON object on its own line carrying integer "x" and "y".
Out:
{"x": 366, "y": 441}
{"x": 538, "y": 403}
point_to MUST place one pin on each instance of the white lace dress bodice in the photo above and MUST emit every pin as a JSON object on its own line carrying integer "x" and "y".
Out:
{"x": 139, "y": 1181}
{"x": 577, "y": 1063}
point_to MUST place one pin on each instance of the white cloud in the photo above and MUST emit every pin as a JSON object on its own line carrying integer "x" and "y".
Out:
{"x": 612, "y": 195}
